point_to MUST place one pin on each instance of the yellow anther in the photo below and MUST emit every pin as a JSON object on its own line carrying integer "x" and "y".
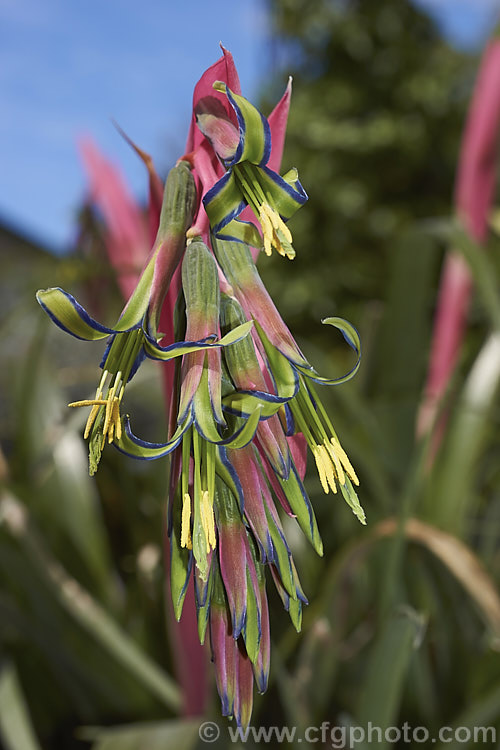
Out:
{"x": 186, "y": 522}
{"x": 336, "y": 461}
{"x": 321, "y": 469}
{"x": 329, "y": 468}
{"x": 118, "y": 421}
{"x": 275, "y": 232}
{"x": 112, "y": 427}
{"x": 326, "y": 468}
{"x": 208, "y": 520}
{"x": 267, "y": 230}
{"x": 339, "y": 454}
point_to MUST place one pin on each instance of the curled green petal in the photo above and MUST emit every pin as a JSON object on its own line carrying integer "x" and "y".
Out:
{"x": 133, "y": 446}
{"x": 71, "y": 317}
{"x": 351, "y": 335}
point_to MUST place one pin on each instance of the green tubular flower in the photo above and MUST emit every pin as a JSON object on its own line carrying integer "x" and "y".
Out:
{"x": 292, "y": 374}
{"x": 245, "y": 152}
{"x": 137, "y": 325}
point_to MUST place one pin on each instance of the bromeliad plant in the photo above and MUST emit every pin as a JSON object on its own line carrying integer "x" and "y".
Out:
{"x": 244, "y": 406}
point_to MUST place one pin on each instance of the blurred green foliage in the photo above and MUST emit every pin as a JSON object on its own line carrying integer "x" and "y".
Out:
{"x": 404, "y": 620}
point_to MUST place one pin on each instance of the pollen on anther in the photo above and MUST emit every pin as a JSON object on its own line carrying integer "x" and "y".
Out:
{"x": 208, "y": 520}
{"x": 186, "y": 522}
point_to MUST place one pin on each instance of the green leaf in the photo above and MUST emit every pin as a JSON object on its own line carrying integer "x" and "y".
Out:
{"x": 475, "y": 722}
{"x": 84, "y": 609}
{"x": 16, "y": 729}
{"x": 459, "y": 469}
{"x": 382, "y": 689}
{"x": 181, "y": 734}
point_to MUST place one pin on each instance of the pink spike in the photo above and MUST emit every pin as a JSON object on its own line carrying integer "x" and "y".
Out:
{"x": 222, "y": 70}
{"x": 126, "y": 237}
{"x": 298, "y": 447}
{"x": 207, "y": 170}
{"x": 277, "y": 121}
{"x": 155, "y": 184}
{"x": 473, "y": 197}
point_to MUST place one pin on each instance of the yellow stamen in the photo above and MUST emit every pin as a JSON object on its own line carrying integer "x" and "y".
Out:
{"x": 186, "y": 522}
{"x": 267, "y": 230}
{"x": 208, "y": 520}
{"x": 112, "y": 423}
{"x": 275, "y": 232}
{"x": 321, "y": 469}
{"x": 339, "y": 454}
{"x": 329, "y": 468}
{"x": 278, "y": 222}
{"x": 336, "y": 461}
{"x": 326, "y": 468}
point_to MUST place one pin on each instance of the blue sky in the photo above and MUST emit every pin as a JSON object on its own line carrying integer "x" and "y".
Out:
{"x": 67, "y": 67}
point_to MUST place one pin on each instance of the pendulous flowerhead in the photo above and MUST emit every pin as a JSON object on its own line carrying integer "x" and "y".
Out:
{"x": 243, "y": 404}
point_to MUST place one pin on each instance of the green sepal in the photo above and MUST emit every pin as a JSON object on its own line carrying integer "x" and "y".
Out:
{"x": 203, "y": 611}
{"x": 180, "y": 558}
{"x": 302, "y": 509}
{"x": 200, "y": 551}
{"x": 251, "y": 631}
{"x": 282, "y": 559}
{"x": 352, "y": 500}
{"x": 200, "y": 284}
{"x": 179, "y": 202}
{"x": 247, "y": 432}
{"x": 295, "y": 612}
{"x": 240, "y": 357}
{"x": 203, "y": 411}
